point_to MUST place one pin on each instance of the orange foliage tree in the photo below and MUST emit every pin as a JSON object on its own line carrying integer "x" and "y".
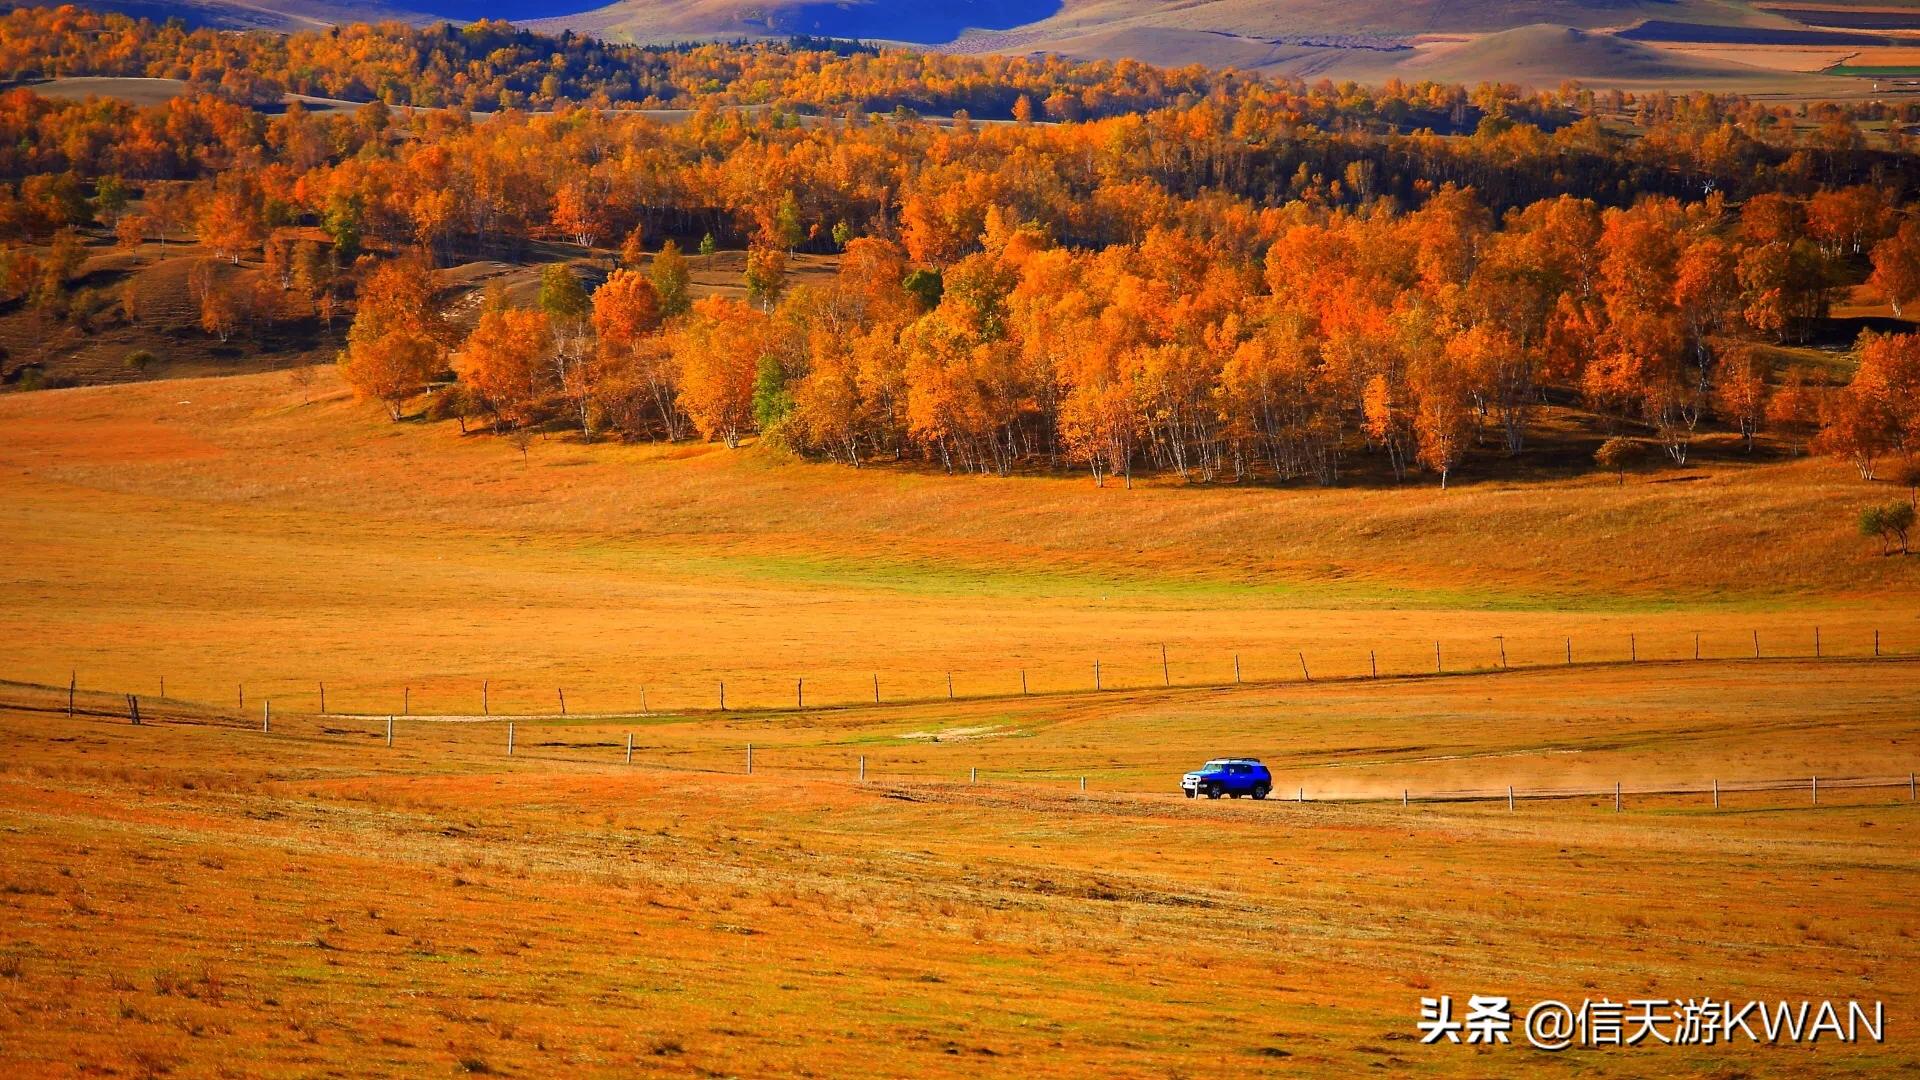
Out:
{"x": 717, "y": 351}
{"x": 1878, "y": 412}
{"x": 506, "y": 361}
{"x": 397, "y": 342}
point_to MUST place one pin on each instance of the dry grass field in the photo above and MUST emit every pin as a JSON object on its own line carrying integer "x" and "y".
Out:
{"x": 263, "y": 531}
{"x": 194, "y": 896}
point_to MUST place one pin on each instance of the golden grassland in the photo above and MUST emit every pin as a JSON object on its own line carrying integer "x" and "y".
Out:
{"x": 263, "y": 531}
{"x": 197, "y": 897}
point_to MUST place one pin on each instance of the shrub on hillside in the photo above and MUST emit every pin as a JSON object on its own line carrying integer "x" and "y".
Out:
{"x": 1907, "y": 475}
{"x": 138, "y": 360}
{"x": 454, "y": 401}
{"x": 1890, "y": 523}
{"x": 1619, "y": 454}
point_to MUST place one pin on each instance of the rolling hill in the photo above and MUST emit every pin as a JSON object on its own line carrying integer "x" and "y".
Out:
{"x": 1670, "y": 44}
{"x": 1542, "y": 54}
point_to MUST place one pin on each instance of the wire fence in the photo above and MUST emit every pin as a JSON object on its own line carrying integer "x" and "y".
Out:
{"x": 518, "y": 742}
{"x": 1132, "y": 668}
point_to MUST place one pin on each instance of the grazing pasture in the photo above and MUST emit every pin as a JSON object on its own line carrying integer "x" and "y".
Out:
{"x": 196, "y": 896}
{"x": 193, "y": 896}
{"x": 265, "y": 534}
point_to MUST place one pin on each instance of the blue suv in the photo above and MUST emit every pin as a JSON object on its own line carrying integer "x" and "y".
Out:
{"x": 1228, "y": 776}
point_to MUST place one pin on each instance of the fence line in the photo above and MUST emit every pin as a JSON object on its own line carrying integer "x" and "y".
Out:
{"x": 775, "y": 693}
{"x": 857, "y": 768}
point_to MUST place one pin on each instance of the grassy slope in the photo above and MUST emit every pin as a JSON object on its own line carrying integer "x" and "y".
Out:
{"x": 249, "y": 529}
{"x": 192, "y": 895}
{"x": 1535, "y": 55}
{"x": 1311, "y": 39}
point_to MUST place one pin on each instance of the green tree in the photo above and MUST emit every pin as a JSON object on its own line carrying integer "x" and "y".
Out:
{"x": 772, "y": 401}
{"x": 787, "y": 229}
{"x": 707, "y": 246}
{"x": 110, "y": 197}
{"x": 926, "y": 287}
{"x": 670, "y": 278}
{"x": 343, "y": 222}
{"x": 562, "y": 296}
{"x": 1890, "y": 524}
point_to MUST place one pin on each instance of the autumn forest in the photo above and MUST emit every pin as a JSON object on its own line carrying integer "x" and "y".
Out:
{"x": 533, "y": 555}
{"x": 1034, "y": 263}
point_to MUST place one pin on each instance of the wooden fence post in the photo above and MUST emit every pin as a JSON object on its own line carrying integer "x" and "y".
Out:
{"x": 1633, "y": 648}
{"x": 1083, "y": 785}
{"x": 1756, "y": 644}
{"x": 876, "y": 688}
{"x": 1096, "y": 673}
{"x": 799, "y": 693}
{"x": 1716, "y": 793}
{"x": 629, "y": 760}
{"x": 1236, "y": 669}
{"x": 749, "y": 759}
{"x": 323, "y": 698}
{"x": 1616, "y": 796}
{"x": 1696, "y": 644}
{"x": 863, "y": 767}
{"x": 133, "y": 710}
{"x": 1569, "y": 650}
{"x": 163, "y": 688}
{"x": 1302, "y": 797}
{"x": 563, "y": 700}
{"x": 1816, "y": 643}
{"x": 1023, "y": 682}
{"x": 1373, "y": 662}
{"x": 484, "y": 708}
{"x": 266, "y": 715}
{"x": 973, "y": 775}
{"x": 1502, "y": 639}
{"x": 1403, "y": 798}
{"x": 723, "y": 695}
{"x": 73, "y": 683}
{"x": 241, "y": 689}
{"x": 1166, "y": 675}
{"x": 643, "y": 702}
{"x": 1816, "y": 791}
{"x": 1509, "y": 798}
{"x": 949, "y": 686}
{"x": 1304, "y": 673}
{"x": 509, "y": 738}
{"x": 389, "y": 730}
{"x": 1876, "y": 643}
{"x": 1437, "y": 669}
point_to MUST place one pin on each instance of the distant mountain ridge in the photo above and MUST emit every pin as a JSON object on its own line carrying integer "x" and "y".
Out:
{"x": 1677, "y": 44}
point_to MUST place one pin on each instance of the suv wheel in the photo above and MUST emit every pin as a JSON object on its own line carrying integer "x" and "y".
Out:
{"x": 1191, "y": 793}
{"x": 1213, "y": 791}
{"x": 1260, "y": 791}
